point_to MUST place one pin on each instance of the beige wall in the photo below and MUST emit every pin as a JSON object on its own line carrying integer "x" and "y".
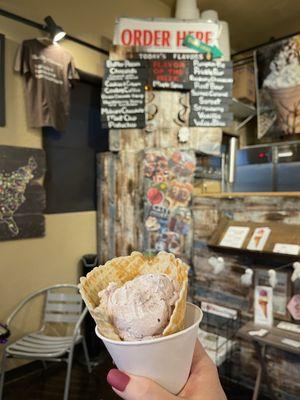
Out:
{"x": 30, "y": 264}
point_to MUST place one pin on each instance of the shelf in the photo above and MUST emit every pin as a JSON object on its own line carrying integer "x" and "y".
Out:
{"x": 197, "y": 192}
{"x": 261, "y": 257}
{"x": 242, "y": 113}
{"x": 280, "y": 233}
{"x": 242, "y": 110}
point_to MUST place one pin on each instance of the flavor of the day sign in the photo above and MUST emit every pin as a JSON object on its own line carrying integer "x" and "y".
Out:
{"x": 168, "y": 184}
{"x": 163, "y": 35}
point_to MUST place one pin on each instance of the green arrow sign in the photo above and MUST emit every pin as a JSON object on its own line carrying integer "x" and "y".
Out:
{"x": 196, "y": 44}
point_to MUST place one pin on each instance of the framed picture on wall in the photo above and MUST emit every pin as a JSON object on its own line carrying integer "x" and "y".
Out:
{"x": 2, "y": 80}
{"x": 278, "y": 94}
{"x": 281, "y": 293}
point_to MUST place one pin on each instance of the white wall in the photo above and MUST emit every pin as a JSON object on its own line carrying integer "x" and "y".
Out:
{"x": 30, "y": 264}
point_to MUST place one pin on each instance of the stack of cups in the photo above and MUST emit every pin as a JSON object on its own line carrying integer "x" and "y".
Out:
{"x": 187, "y": 9}
{"x": 166, "y": 360}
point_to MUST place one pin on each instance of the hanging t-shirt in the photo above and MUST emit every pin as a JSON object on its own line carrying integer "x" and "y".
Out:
{"x": 47, "y": 69}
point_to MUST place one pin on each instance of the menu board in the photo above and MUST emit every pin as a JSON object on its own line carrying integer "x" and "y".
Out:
{"x": 209, "y": 84}
{"x": 211, "y": 93}
{"x": 123, "y": 95}
{"x": 170, "y": 74}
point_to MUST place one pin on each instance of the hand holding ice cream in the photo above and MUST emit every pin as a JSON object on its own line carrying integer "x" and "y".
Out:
{"x": 139, "y": 306}
{"x": 203, "y": 382}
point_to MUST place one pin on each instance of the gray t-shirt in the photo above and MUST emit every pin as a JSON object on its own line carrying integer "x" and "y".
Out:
{"x": 47, "y": 70}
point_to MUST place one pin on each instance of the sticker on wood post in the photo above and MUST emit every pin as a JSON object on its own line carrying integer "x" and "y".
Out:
{"x": 168, "y": 186}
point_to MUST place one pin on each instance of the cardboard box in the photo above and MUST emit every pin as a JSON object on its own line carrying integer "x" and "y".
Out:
{"x": 209, "y": 186}
{"x": 244, "y": 83}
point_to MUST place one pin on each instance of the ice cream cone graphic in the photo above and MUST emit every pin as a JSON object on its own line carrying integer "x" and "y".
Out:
{"x": 257, "y": 240}
{"x": 263, "y": 302}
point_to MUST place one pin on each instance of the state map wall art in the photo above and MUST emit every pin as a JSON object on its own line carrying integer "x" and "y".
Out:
{"x": 22, "y": 196}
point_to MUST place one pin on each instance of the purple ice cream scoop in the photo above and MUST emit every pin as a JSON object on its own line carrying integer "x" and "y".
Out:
{"x": 141, "y": 308}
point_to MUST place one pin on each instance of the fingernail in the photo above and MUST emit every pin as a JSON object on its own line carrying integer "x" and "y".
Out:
{"x": 118, "y": 379}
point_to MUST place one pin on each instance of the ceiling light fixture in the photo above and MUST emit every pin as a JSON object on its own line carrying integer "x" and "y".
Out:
{"x": 57, "y": 33}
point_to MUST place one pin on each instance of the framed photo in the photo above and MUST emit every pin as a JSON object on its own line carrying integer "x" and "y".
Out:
{"x": 281, "y": 293}
{"x": 235, "y": 236}
{"x": 278, "y": 89}
{"x": 2, "y": 80}
{"x": 259, "y": 238}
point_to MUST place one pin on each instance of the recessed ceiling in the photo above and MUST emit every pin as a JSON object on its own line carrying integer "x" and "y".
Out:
{"x": 252, "y": 22}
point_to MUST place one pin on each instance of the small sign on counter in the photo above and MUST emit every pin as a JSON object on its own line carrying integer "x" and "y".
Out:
{"x": 285, "y": 248}
{"x": 263, "y": 305}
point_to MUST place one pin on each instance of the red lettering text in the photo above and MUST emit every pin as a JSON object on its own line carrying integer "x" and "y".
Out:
{"x": 166, "y": 38}
{"x": 126, "y": 37}
{"x": 137, "y": 37}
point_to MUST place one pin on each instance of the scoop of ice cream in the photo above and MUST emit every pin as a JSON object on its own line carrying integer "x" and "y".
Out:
{"x": 285, "y": 68}
{"x": 141, "y": 308}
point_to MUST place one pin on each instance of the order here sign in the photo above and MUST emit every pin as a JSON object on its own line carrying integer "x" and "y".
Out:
{"x": 163, "y": 35}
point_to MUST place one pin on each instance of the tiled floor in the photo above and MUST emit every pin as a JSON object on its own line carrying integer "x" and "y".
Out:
{"x": 49, "y": 384}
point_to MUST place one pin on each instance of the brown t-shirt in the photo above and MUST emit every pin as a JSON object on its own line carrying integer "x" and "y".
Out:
{"x": 47, "y": 71}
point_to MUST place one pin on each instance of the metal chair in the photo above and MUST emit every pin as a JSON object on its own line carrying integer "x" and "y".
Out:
{"x": 59, "y": 308}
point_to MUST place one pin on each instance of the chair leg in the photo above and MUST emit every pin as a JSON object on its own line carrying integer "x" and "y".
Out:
{"x": 86, "y": 355}
{"x": 68, "y": 376}
{"x": 2, "y": 372}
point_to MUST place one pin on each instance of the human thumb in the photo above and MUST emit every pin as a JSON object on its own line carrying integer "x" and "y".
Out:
{"x": 131, "y": 387}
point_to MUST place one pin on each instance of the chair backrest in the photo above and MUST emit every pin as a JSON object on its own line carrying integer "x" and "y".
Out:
{"x": 62, "y": 307}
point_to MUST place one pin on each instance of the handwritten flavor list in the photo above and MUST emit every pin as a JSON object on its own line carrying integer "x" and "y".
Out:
{"x": 211, "y": 93}
{"x": 123, "y": 95}
{"x": 123, "y": 90}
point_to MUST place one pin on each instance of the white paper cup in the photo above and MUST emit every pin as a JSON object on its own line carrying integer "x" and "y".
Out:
{"x": 165, "y": 360}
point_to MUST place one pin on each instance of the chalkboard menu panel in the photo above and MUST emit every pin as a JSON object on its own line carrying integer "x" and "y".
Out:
{"x": 169, "y": 74}
{"x": 211, "y": 93}
{"x": 123, "y": 95}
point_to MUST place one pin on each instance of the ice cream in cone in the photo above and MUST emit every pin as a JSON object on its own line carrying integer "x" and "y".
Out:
{"x": 137, "y": 297}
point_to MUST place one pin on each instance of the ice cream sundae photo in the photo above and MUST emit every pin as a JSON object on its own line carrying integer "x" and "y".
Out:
{"x": 279, "y": 96}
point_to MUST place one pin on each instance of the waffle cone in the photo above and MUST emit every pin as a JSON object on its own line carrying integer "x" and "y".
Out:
{"x": 123, "y": 269}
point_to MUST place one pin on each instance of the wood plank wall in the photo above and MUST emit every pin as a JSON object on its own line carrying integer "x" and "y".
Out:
{"x": 120, "y": 206}
{"x": 226, "y": 289}
{"x": 120, "y": 188}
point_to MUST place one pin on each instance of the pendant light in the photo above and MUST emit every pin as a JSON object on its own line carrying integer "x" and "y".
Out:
{"x": 57, "y": 33}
